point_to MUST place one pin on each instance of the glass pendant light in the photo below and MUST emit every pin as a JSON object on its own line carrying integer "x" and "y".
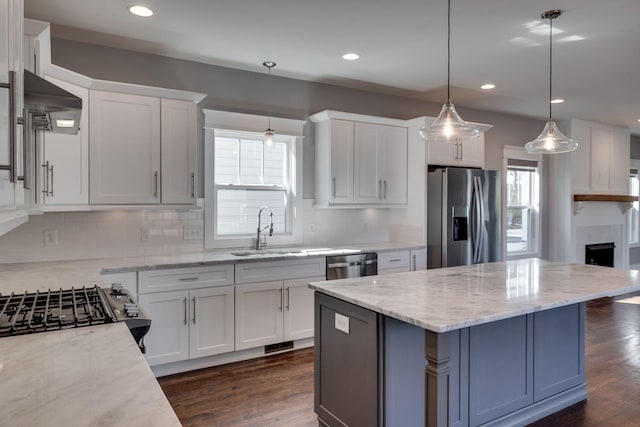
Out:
{"x": 448, "y": 126}
{"x": 269, "y": 133}
{"x": 551, "y": 140}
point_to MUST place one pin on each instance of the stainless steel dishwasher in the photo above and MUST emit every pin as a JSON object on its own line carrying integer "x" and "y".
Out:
{"x": 355, "y": 265}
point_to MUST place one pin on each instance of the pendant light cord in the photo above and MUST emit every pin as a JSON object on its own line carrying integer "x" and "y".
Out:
{"x": 550, "y": 64}
{"x": 269, "y": 94}
{"x": 449, "y": 51}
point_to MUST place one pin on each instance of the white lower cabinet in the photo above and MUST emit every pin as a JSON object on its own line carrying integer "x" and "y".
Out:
{"x": 418, "y": 259}
{"x": 273, "y": 312}
{"x": 394, "y": 262}
{"x": 189, "y": 324}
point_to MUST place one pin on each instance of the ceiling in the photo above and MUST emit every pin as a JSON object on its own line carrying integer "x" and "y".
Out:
{"x": 402, "y": 46}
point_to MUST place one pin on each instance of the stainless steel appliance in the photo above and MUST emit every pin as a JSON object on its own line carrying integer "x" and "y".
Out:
{"x": 32, "y": 312}
{"x": 464, "y": 220}
{"x": 354, "y": 265}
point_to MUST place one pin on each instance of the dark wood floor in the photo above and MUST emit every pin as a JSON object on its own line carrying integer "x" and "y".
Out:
{"x": 278, "y": 390}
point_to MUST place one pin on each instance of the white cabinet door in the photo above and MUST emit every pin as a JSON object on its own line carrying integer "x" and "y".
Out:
{"x": 418, "y": 259}
{"x": 393, "y": 162}
{"x": 341, "y": 134}
{"x": 178, "y": 130}
{"x": 168, "y": 337}
{"x": 380, "y": 167}
{"x": 258, "y": 314}
{"x": 368, "y": 179}
{"x": 64, "y": 170}
{"x": 600, "y": 147}
{"x": 443, "y": 153}
{"x": 619, "y": 161}
{"x": 212, "y": 319}
{"x": 125, "y": 148}
{"x": 472, "y": 152}
{"x": 11, "y": 29}
{"x": 467, "y": 153}
{"x": 298, "y": 308}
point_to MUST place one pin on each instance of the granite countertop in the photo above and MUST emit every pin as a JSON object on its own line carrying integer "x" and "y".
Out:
{"x": 446, "y": 299}
{"x": 33, "y": 276}
{"x": 91, "y": 376}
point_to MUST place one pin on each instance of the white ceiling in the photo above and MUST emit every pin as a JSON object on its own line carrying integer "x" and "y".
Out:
{"x": 402, "y": 45}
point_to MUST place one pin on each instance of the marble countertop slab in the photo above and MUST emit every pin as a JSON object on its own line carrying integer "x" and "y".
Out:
{"x": 89, "y": 376}
{"x": 446, "y": 299}
{"x": 33, "y": 276}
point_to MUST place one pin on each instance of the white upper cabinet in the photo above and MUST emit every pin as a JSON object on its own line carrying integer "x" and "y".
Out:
{"x": 125, "y": 148}
{"x": 11, "y": 25}
{"x": 600, "y": 164}
{"x": 178, "y": 146}
{"x": 143, "y": 149}
{"x": 462, "y": 153}
{"x": 64, "y": 167}
{"x": 380, "y": 167}
{"x": 360, "y": 160}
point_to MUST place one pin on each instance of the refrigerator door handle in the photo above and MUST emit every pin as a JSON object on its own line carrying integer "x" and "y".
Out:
{"x": 477, "y": 244}
{"x": 481, "y": 233}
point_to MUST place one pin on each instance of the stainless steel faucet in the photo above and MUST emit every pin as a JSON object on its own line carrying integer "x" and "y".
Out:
{"x": 261, "y": 229}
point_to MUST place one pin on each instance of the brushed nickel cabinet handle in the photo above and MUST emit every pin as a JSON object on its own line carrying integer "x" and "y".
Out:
{"x": 288, "y": 298}
{"x": 11, "y": 167}
{"x": 379, "y": 195}
{"x": 185, "y": 311}
{"x": 194, "y": 310}
{"x": 51, "y": 182}
{"x": 45, "y": 177}
{"x": 281, "y": 299}
{"x": 415, "y": 265}
{"x": 461, "y": 152}
{"x": 333, "y": 187}
{"x": 395, "y": 260}
{"x": 193, "y": 185}
{"x": 385, "y": 188}
{"x": 155, "y": 187}
{"x": 25, "y": 121}
{"x": 188, "y": 279}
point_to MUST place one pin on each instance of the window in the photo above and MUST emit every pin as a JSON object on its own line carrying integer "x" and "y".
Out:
{"x": 522, "y": 195}
{"x": 243, "y": 173}
{"x": 250, "y": 174}
{"x": 633, "y": 217}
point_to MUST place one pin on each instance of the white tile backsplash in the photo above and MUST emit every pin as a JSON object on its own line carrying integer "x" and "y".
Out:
{"x": 104, "y": 234}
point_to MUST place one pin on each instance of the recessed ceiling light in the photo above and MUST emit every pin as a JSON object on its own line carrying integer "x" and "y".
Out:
{"x": 139, "y": 10}
{"x": 488, "y": 86}
{"x": 351, "y": 56}
{"x": 557, "y": 101}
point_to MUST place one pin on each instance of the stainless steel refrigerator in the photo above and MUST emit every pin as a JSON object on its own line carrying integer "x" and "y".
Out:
{"x": 464, "y": 220}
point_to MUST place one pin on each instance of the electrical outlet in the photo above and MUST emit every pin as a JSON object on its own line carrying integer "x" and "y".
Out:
{"x": 192, "y": 233}
{"x": 312, "y": 228}
{"x": 341, "y": 323}
{"x": 51, "y": 237}
{"x": 146, "y": 234}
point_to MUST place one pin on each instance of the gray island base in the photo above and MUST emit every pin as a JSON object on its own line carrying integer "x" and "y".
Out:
{"x": 498, "y": 344}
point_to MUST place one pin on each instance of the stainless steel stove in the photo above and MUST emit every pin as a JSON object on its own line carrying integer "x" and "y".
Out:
{"x": 32, "y": 312}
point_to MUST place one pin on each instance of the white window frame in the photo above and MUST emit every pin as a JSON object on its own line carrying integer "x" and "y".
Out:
{"x": 519, "y": 153}
{"x": 229, "y": 121}
{"x": 633, "y": 214}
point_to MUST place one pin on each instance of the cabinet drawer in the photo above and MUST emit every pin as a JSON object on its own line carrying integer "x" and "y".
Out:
{"x": 395, "y": 259}
{"x": 253, "y": 272}
{"x": 184, "y": 278}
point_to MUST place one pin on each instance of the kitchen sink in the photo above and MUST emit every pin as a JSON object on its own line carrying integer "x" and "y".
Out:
{"x": 268, "y": 252}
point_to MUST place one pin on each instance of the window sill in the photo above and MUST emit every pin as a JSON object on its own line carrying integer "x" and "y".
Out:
{"x": 634, "y": 245}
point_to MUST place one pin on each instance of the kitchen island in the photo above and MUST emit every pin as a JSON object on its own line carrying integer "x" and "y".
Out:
{"x": 489, "y": 344}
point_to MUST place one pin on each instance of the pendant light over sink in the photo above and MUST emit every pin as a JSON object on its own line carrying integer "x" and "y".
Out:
{"x": 551, "y": 140}
{"x": 448, "y": 126}
{"x": 269, "y": 133}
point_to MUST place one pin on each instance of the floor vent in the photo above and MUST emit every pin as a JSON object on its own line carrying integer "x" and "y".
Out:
{"x": 272, "y": 348}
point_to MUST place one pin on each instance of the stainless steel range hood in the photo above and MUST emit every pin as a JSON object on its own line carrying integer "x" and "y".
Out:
{"x": 50, "y": 107}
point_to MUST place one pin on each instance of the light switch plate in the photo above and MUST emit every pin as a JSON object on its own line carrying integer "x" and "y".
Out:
{"x": 342, "y": 323}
